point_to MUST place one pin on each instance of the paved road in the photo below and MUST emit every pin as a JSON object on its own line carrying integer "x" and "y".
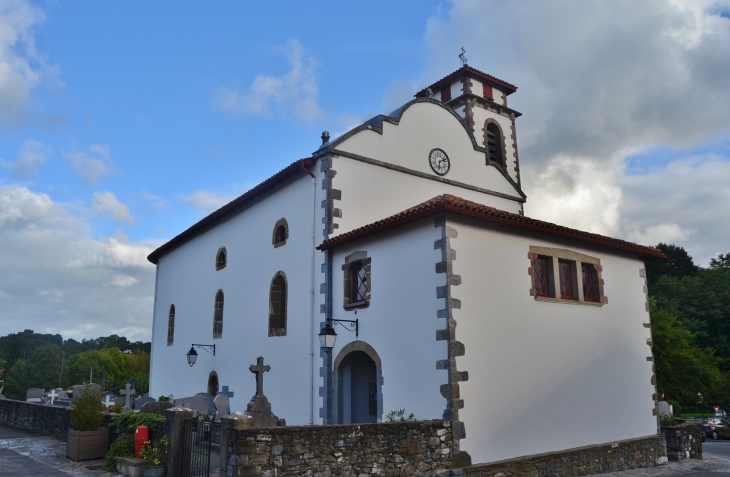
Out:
{"x": 720, "y": 447}
{"x": 13, "y": 464}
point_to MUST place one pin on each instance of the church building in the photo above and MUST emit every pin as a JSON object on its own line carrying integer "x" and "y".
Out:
{"x": 395, "y": 268}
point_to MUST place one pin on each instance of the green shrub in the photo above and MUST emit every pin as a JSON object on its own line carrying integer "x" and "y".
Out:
{"x": 88, "y": 410}
{"x": 155, "y": 454}
{"x": 163, "y": 398}
{"x": 399, "y": 415}
{"x": 676, "y": 407}
{"x": 665, "y": 420}
{"x": 122, "y": 447}
{"x": 127, "y": 423}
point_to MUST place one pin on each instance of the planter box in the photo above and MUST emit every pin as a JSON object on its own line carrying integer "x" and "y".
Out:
{"x": 130, "y": 466}
{"x": 155, "y": 471}
{"x": 86, "y": 445}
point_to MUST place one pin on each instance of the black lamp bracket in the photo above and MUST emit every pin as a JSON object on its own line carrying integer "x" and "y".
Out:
{"x": 352, "y": 325}
{"x": 208, "y": 348}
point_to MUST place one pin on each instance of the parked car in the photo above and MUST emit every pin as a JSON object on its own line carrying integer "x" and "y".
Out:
{"x": 717, "y": 428}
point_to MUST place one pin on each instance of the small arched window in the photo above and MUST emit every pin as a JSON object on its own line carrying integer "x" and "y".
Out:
{"x": 281, "y": 233}
{"x": 218, "y": 315}
{"x": 221, "y": 258}
{"x": 277, "y": 305}
{"x": 171, "y": 325}
{"x": 494, "y": 142}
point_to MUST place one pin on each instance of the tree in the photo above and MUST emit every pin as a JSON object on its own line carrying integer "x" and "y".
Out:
{"x": 16, "y": 380}
{"x": 722, "y": 261}
{"x": 44, "y": 367}
{"x": 111, "y": 362}
{"x": 682, "y": 368}
{"x": 702, "y": 305}
{"x": 678, "y": 264}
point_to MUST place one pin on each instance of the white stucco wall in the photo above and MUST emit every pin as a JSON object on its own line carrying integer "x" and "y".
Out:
{"x": 187, "y": 277}
{"x": 546, "y": 376}
{"x": 401, "y": 321}
{"x": 386, "y": 192}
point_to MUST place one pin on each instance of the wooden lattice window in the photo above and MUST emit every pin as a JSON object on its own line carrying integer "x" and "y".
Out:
{"x": 171, "y": 325}
{"x": 542, "y": 280}
{"x": 357, "y": 280}
{"x": 566, "y": 280}
{"x": 494, "y": 143}
{"x": 221, "y": 258}
{"x": 218, "y": 315}
{"x": 277, "y": 305}
{"x": 590, "y": 283}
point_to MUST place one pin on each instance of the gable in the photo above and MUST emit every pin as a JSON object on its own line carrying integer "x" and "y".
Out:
{"x": 407, "y": 141}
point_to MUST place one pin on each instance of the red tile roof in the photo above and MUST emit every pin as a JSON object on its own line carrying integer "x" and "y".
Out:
{"x": 451, "y": 203}
{"x": 232, "y": 207}
{"x": 489, "y": 79}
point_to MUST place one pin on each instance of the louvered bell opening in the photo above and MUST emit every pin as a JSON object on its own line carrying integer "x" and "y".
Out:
{"x": 494, "y": 143}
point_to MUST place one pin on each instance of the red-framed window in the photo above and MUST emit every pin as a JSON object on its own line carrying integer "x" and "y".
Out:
{"x": 542, "y": 280}
{"x": 590, "y": 282}
{"x": 566, "y": 280}
{"x": 446, "y": 93}
{"x": 487, "y": 91}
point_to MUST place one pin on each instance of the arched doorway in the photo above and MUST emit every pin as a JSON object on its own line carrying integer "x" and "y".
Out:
{"x": 213, "y": 384}
{"x": 357, "y": 384}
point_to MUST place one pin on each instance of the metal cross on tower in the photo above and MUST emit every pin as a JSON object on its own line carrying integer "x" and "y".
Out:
{"x": 259, "y": 369}
{"x": 463, "y": 58}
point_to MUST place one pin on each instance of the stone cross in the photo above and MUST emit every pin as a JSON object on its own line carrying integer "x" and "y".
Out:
{"x": 259, "y": 369}
{"x": 104, "y": 380}
{"x": 108, "y": 401}
{"x": 224, "y": 390}
{"x": 53, "y": 395}
{"x": 128, "y": 393}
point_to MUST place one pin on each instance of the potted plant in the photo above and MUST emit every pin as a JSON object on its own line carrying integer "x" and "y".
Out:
{"x": 154, "y": 456}
{"x": 86, "y": 439}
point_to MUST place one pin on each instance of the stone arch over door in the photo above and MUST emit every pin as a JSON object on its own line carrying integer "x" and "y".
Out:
{"x": 213, "y": 383}
{"x": 358, "y": 384}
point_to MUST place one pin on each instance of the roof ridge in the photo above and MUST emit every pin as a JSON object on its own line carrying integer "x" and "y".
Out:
{"x": 457, "y": 204}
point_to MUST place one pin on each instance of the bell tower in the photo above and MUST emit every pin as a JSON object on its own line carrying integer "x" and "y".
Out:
{"x": 481, "y": 101}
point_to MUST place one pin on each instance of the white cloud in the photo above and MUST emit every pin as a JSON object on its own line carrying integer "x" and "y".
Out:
{"x": 22, "y": 68}
{"x": 206, "y": 201}
{"x": 57, "y": 277}
{"x": 32, "y": 155}
{"x": 106, "y": 203}
{"x": 91, "y": 168}
{"x": 599, "y": 81}
{"x": 293, "y": 94}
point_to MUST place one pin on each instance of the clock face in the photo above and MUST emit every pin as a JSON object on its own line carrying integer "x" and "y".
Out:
{"x": 439, "y": 162}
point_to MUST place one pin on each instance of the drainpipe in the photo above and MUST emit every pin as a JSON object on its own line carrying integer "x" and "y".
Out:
{"x": 311, "y": 291}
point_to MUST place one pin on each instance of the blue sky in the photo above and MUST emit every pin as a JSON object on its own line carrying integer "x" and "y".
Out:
{"x": 123, "y": 123}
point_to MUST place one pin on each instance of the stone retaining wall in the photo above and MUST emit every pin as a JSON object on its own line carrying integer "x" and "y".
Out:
{"x": 612, "y": 457}
{"x": 684, "y": 441}
{"x": 403, "y": 448}
{"x": 39, "y": 418}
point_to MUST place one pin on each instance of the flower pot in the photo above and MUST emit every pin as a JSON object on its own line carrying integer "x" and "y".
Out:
{"x": 155, "y": 471}
{"x": 85, "y": 445}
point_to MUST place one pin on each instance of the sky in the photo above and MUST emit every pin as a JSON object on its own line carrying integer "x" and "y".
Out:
{"x": 123, "y": 123}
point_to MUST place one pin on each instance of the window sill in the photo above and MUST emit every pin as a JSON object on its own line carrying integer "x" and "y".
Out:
{"x": 358, "y": 304}
{"x": 279, "y": 244}
{"x": 569, "y": 302}
{"x": 217, "y": 337}
{"x": 169, "y": 343}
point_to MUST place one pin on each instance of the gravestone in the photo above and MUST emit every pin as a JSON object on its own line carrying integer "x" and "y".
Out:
{"x": 222, "y": 406}
{"x": 156, "y": 407}
{"x": 201, "y": 403}
{"x": 62, "y": 394}
{"x": 259, "y": 408}
{"x": 63, "y": 402}
{"x": 108, "y": 401}
{"x": 119, "y": 400}
{"x": 51, "y": 396}
{"x": 128, "y": 392}
{"x": 34, "y": 395}
{"x": 138, "y": 403}
{"x": 78, "y": 389}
